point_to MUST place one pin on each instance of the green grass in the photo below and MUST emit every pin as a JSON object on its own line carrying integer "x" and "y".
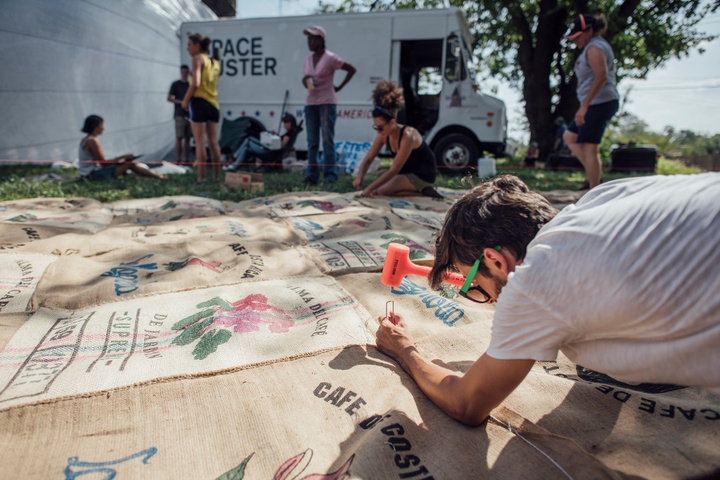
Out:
{"x": 19, "y": 182}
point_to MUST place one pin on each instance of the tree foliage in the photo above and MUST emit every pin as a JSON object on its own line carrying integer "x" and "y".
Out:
{"x": 521, "y": 42}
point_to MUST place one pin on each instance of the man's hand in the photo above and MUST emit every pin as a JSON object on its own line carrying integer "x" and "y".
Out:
{"x": 393, "y": 338}
{"x": 357, "y": 183}
{"x": 468, "y": 397}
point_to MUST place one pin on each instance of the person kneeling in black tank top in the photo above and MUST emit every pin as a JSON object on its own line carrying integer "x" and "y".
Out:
{"x": 413, "y": 170}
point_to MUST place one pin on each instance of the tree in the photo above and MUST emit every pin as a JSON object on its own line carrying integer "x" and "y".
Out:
{"x": 521, "y": 42}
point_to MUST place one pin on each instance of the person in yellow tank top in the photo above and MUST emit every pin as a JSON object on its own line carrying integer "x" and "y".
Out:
{"x": 201, "y": 100}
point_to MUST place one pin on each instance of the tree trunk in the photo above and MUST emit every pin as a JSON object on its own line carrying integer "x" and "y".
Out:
{"x": 536, "y": 63}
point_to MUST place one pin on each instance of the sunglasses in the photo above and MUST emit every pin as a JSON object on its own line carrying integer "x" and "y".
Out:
{"x": 379, "y": 128}
{"x": 475, "y": 293}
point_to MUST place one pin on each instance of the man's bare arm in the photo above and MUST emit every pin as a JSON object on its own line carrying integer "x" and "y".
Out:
{"x": 467, "y": 398}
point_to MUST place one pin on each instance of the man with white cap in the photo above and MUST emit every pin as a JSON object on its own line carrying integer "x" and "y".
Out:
{"x": 321, "y": 103}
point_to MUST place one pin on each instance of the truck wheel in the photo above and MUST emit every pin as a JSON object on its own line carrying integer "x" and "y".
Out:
{"x": 455, "y": 153}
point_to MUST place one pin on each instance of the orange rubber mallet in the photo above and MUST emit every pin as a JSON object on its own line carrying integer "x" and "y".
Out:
{"x": 398, "y": 266}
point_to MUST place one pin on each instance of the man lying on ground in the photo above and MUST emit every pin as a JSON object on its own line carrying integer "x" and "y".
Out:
{"x": 625, "y": 282}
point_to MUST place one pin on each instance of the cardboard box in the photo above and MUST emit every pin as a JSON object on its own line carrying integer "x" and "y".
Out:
{"x": 252, "y": 182}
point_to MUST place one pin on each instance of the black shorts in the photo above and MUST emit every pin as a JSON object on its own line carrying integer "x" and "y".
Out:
{"x": 202, "y": 111}
{"x": 596, "y": 120}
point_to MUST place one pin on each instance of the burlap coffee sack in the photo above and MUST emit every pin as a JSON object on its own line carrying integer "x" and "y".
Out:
{"x": 648, "y": 435}
{"x": 12, "y": 208}
{"x": 33, "y": 238}
{"x": 670, "y": 418}
{"x": 161, "y": 217}
{"x": 348, "y": 255}
{"x": 164, "y": 204}
{"x": 417, "y": 203}
{"x": 19, "y": 277}
{"x": 360, "y": 243}
{"x": 9, "y": 325}
{"x": 229, "y": 228}
{"x": 73, "y": 214}
{"x": 261, "y": 205}
{"x": 154, "y": 211}
{"x": 340, "y": 225}
{"x": 430, "y": 312}
{"x": 138, "y": 270}
{"x": 431, "y": 220}
{"x": 347, "y": 413}
{"x": 320, "y": 203}
{"x": 61, "y": 353}
{"x": 318, "y": 227}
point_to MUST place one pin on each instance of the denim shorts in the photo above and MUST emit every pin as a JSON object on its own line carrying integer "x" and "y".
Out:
{"x": 596, "y": 120}
{"x": 103, "y": 173}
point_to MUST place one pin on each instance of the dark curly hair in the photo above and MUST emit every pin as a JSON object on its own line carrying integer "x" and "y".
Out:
{"x": 388, "y": 98}
{"x": 502, "y": 211}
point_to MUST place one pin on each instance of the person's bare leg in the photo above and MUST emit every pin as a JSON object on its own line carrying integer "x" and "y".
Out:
{"x": 398, "y": 186}
{"x": 592, "y": 163}
{"x": 146, "y": 172}
{"x": 212, "y": 131}
{"x": 577, "y": 149}
{"x": 198, "y": 130}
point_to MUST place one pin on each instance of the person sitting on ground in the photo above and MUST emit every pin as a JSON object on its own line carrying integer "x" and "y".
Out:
{"x": 413, "y": 170}
{"x": 624, "y": 282}
{"x": 91, "y": 159}
{"x": 252, "y": 146}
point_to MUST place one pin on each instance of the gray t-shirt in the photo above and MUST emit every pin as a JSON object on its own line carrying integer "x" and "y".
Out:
{"x": 625, "y": 282}
{"x": 585, "y": 75}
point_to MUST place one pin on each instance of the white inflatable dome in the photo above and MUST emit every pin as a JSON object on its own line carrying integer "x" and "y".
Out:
{"x": 66, "y": 59}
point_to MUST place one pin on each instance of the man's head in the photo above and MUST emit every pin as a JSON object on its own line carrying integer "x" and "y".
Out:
{"x": 184, "y": 72}
{"x": 502, "y": 212}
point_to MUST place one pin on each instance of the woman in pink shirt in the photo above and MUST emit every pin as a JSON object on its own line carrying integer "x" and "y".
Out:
{"x": 321, "y": 103}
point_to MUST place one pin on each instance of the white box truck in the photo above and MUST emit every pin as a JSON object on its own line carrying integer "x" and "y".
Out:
{"x": 425, "y": 51}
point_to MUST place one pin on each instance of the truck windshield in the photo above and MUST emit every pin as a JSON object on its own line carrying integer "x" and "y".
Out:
{"x": 469, "y": 61}
{"x": 454, "y": 62}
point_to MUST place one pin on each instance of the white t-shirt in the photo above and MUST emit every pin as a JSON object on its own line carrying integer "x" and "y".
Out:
{"x": 626, "y": 282}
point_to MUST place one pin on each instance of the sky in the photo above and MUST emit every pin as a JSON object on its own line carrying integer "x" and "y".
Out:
{"x": 683, "y": 94}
